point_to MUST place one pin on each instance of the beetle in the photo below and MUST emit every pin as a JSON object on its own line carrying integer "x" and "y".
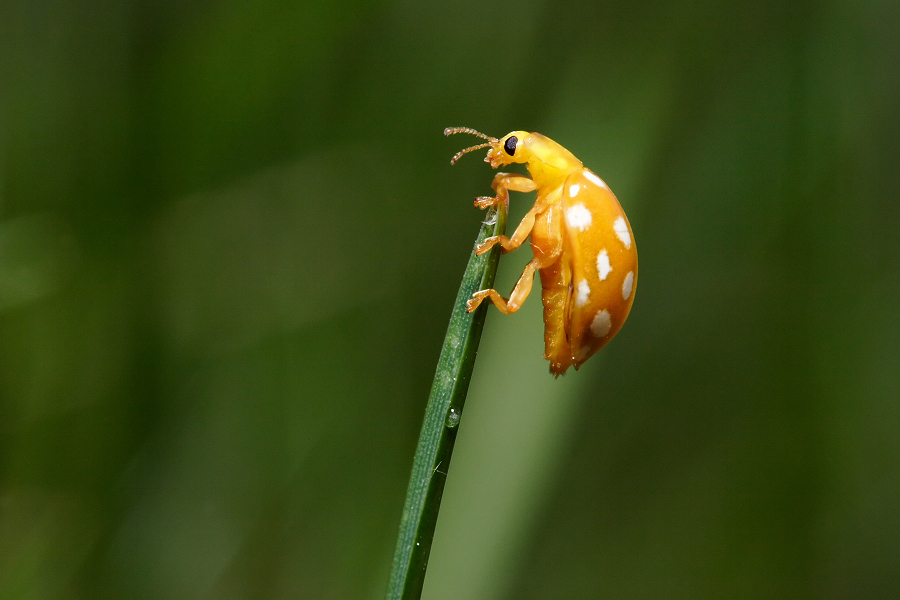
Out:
{"x": 582, "y": 241}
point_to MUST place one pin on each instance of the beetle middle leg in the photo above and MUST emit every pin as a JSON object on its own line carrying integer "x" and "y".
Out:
{"x": 524, "y": 229}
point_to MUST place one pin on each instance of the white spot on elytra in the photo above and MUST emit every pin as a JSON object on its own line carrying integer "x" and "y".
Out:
{"x": 578, "y": 217}
{"x": 621, "y": 229}
{"x": 582, "y": 353}
{"x": 584, "y": 290}
{"x": 594, "y": 178}
{"x": 603, "y": 266}
{"x": 602, "y": 324}
{"x": 574, "y": 189}
{"x": 627, "y": 285}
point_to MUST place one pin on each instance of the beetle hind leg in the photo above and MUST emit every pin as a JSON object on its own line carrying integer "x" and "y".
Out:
{"x": 523, "y": 287}
{"x": 508, "y": 305}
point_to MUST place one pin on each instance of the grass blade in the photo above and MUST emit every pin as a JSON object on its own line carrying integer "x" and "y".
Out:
{"x": 442, "y": 416}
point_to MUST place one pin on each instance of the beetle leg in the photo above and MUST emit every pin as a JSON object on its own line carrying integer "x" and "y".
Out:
{"x": 522, "y": 231}
{"x": 514, "y": 302}
{"x": 485, "y": 201}
{"x": 509, "y": 244}
{"x": 503, "y": 182}
{"x": 511, "y": 181}
{"x": 520, "y": 292}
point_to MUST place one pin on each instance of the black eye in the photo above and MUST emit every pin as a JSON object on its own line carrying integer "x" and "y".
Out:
{"x": 510, "y": 145}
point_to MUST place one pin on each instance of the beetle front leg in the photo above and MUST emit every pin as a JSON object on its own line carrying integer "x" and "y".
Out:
{"x": 502, "y": 184}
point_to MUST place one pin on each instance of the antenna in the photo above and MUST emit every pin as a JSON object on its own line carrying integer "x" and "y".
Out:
{"x": 452, "y": 130}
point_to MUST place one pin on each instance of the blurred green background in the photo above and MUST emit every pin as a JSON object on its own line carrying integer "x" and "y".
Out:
{"x": 230, "y": 239}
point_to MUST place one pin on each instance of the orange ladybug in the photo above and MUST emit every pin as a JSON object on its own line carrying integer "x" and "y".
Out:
{"x": 582, "y": 242}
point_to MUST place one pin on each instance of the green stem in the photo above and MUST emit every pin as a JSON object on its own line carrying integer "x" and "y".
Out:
{"x": 442, "y": 416}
